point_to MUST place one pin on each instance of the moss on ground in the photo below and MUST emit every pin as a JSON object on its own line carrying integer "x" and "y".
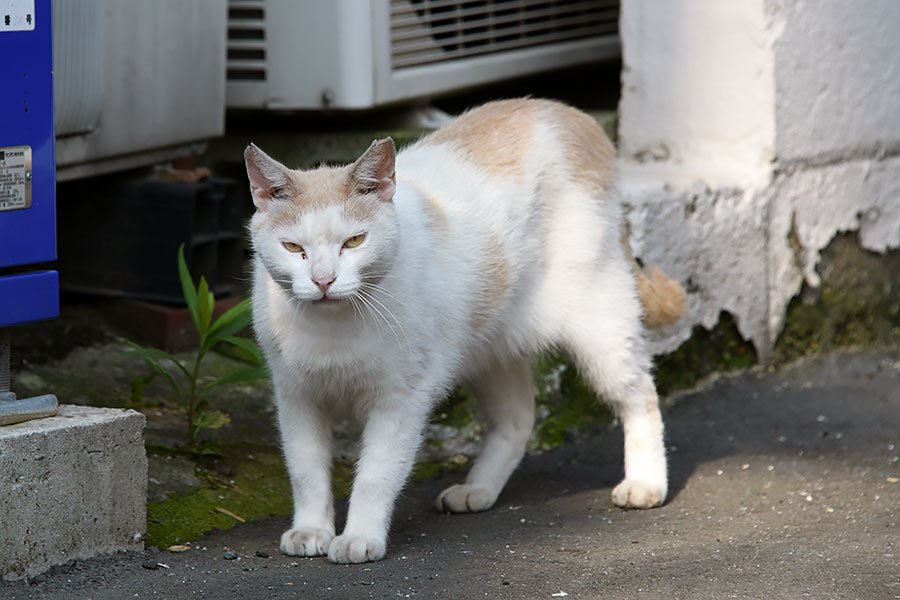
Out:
{"x": 706, "y": 352}
{"x": 246, "y": 480}
{"x": 858, "y": 304}
{"x": 565, "y": 402}
{"x": 243, "y": 479}
{"x": 430, "y": 469}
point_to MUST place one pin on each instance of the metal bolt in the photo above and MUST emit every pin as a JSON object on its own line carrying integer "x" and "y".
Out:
{"x": 4, "y": 364}
{"x": 27, "y": 175}
{"x": 16, "y": 411}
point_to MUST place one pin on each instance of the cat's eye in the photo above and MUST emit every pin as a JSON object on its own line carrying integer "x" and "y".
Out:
{"x": 356, "y": 240}
{"x": 292, "y": 247}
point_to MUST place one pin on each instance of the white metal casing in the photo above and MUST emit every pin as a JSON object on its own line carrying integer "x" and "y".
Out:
{"x": 359, "y": 54}
{"x": 136, "y": 82}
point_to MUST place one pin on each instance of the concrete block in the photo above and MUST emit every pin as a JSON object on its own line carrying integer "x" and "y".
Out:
{"x": 71, "y": 486}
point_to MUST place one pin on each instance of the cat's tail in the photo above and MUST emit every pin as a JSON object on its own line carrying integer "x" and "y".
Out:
{"x": 662, "y": 298}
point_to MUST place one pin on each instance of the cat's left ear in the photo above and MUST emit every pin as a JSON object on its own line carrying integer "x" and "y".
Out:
{"x": 269, "y": 179}
{"x": 373, "y": 172}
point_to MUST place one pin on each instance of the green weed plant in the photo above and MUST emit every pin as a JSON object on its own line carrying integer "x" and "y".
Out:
{"x": 210, "y": 333}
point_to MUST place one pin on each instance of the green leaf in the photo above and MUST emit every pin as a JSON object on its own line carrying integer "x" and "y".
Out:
{"x": 236, "y": 352}
{"x": 153, "y": 354}
{"x": 211, "y": 420}
{"x": 232, "y": 320}
{"x": 250, "y": 374}
{"x": 187, "y": 287}
{"x": 159, "y": 368}
{"x": 248, "y": 345}
{"x": 208, "y": 342}
{"x": 205, "y": 303}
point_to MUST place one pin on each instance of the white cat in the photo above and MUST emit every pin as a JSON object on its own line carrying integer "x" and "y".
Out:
{"x": 376, "y": 293}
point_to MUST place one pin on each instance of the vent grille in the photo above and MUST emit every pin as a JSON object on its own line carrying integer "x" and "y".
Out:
{"x": 433, "y": 31}
{"x": 246, "y": 40}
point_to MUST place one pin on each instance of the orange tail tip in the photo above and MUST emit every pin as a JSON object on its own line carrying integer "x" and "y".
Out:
{"x": 662, "y": 298}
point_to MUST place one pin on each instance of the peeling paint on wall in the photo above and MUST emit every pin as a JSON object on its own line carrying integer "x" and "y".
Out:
{"x": 742, "y": 220}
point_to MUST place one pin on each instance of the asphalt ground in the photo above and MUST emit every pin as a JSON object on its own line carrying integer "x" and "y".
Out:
{"x": 782, "y": 485}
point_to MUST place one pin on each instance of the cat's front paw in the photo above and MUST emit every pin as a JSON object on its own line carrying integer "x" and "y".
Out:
{"x": 306, "y": 541}
{"x": 462, "y": 498}
{"x": 633, "y": 493}
{"x": 349, "y": 548}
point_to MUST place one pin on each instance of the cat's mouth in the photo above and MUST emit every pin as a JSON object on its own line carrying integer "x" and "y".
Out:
{"x": 326, "y": 300}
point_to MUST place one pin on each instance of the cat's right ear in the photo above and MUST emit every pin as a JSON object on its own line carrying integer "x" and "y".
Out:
{"x": 269, "y": 179}
{"x": 373, "y": 172}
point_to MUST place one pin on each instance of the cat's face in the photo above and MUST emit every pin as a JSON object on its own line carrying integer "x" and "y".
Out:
{"x": 326, "y": 236}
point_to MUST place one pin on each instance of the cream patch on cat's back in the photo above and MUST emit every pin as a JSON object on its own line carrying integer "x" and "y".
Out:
{"x": 496, "y": 136}
{"x": 495, "y": 281}
{"x": 590, "y": 153}
{"x": 436, "y": 216}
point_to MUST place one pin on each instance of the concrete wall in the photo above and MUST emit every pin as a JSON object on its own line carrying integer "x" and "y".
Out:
{"x": 837, "y": 79}
{"x": 751, "y": 134}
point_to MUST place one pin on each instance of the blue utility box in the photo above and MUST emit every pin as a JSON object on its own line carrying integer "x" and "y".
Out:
{"x": 27, "y": 163}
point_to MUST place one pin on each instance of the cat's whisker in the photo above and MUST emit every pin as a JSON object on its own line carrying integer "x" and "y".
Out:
{"x": 373, "y": 310}
{"x": 298, "y": 304}
{"x": 370, "y": 299}
{"x": 381, "y": 276}
{"x": 392, "y": 316}
{"x": 354, "y": 302}
{"x": 382, "y": 290}
{"x": 375, "y": 313}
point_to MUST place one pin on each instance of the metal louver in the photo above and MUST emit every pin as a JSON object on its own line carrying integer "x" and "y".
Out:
{"x": 361, "y": 54}
{"x": 246, "y": 40}
{"x": 434, "y": 31}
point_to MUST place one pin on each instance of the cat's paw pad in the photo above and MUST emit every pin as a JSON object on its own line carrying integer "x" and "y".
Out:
{"x": 462, "y": 498}
{"x": 349, "y": 548}
{"x": 306, "y": 541}
{"x": 633, "y": 493}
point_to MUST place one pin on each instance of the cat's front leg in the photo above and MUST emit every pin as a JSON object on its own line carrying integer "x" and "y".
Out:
{"x": 306, "y": 438}
{"x": 390, "y": 440}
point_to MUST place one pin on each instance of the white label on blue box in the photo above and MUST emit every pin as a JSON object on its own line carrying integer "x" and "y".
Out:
{"x": 16, "y": 15}
{"x": 15, "y": 177}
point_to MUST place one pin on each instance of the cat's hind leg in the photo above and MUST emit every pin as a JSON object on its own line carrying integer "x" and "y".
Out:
{"x": 604, "y": 334}
{"x": 505, "y": 394}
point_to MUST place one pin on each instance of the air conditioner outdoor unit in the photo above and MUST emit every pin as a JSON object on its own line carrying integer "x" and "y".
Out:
{"x": 135, "y": 83}
{"x": 358, "y": 54}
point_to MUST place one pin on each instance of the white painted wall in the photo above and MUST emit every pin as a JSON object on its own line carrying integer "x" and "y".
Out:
{"x": 689, "y": 68}
{"x": 837, "y": 78}
{"x": 741, "y": 122}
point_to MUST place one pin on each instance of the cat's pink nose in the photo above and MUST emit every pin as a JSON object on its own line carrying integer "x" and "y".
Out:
{"x": 323, "y": 283}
